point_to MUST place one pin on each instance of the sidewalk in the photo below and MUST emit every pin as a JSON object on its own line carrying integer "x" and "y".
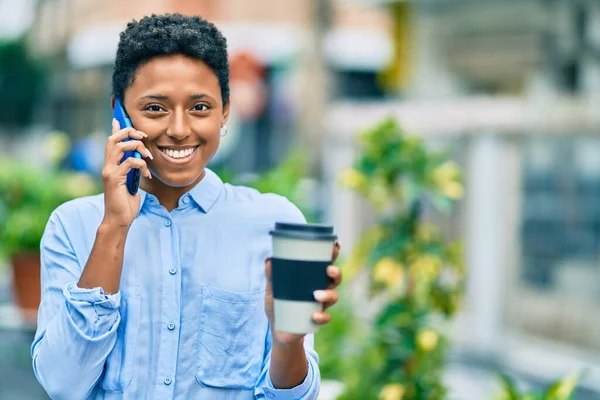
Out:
{"x": 17, "y": 381}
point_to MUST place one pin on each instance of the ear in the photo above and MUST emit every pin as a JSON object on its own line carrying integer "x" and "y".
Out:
{"x": 112, "y": 102}
{"x": 225, "y": 113}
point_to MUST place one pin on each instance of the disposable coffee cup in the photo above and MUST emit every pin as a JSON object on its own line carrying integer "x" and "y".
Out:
{"x": 301, "y": 255}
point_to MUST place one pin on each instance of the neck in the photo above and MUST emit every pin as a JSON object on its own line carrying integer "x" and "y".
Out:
{"x": 168, "y": 196}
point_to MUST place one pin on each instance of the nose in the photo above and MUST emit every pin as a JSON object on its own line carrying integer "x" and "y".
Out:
{"x": 179, "y": 128}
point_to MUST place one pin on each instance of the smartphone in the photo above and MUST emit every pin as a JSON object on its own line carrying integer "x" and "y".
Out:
{"x": 133, "y": 176}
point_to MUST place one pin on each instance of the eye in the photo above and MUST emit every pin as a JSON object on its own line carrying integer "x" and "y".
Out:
{"x": 201, "y": 107}
{"x": 154, "y": 108}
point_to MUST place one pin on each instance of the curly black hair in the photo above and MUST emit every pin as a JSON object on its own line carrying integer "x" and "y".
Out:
{"x": 169, "y": 34}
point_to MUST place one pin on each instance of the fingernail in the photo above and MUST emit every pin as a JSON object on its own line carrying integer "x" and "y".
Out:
{"x": 330, "y": 270}
{"x": 319, "y": 295}
{"x": 149, "y": 154}
{"x": 143, "y": 134}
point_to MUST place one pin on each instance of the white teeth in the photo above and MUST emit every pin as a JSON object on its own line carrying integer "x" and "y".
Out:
{"x": 178, "y": 153}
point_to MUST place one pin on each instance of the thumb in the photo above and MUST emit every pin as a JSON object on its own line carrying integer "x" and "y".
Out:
{"x": 336, "y": 251}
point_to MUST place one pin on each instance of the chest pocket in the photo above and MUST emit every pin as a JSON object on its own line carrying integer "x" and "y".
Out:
{"x": 231, "y": 338}
{"x": 119, "y": 364}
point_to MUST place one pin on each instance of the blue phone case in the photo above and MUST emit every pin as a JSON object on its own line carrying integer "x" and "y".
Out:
{"x": 133, "y": 177}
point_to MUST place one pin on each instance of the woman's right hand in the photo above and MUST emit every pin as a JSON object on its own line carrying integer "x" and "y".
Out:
{"x": 120, "y": 207}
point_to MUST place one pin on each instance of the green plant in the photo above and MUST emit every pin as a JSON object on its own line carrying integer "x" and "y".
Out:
{"x": 29, "y": 194}
{"x": 562, "y": 389}
{"x": 337, "y": 343}
{"x": 412, "y": 268}
{"x": 285, "y": 179}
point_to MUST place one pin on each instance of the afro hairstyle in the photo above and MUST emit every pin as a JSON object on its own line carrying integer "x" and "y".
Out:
{"x": 169, "y": 34}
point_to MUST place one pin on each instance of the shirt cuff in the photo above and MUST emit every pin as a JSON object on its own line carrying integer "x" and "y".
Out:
{"x": 95, "y": 296}
{"x": 92, "y": 310}
{"x": 294, "y": 393}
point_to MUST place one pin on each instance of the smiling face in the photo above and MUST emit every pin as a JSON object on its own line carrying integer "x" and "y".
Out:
{"x": 177, "y": 101}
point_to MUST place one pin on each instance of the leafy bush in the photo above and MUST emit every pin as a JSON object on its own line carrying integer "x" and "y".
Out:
{"x": 29, "y": 194}
{"x": 417, "y": 273}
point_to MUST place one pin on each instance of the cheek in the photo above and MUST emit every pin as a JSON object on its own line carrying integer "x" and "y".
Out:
{"x": 209, "y": 129}
{"x": 151, "y": 127}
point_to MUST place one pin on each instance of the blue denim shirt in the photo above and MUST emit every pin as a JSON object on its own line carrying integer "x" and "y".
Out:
{"x": 188, "y": 321}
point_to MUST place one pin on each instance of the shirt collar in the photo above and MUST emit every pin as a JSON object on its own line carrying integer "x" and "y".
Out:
{"x": 207, "y": 191}
{"x": 205, "y": 194}
{"x": 143, "y": 198}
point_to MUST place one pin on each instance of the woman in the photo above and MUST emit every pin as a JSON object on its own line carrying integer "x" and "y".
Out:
{"x": 166, "y": 294}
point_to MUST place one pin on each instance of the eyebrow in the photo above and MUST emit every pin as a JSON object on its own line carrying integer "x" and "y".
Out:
{"x": 165, "y": 97}
{"x": 156, "y": 97}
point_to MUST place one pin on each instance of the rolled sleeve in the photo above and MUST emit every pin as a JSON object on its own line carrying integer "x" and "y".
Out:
{"x": 298, "y": 392}
{"x": 76, "y": 327}
{"x": 92, "y": 310}
{"x": 307, "y": 390}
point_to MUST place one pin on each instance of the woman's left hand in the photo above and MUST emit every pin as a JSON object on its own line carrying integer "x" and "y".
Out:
{"x": 326, "y": 297}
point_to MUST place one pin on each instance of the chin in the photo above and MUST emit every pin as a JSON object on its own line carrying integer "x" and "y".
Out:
{"x": 179, "y": 180}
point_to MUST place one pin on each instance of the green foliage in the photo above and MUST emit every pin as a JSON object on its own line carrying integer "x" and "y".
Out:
{"x": 29, "y": 194}
{"x": 559, "y": 390}
{"x": 337, "y": 342}
{"x": 410, "y": 264}
{"x": 22, "y": 81}
{"x": 285, "y": 180}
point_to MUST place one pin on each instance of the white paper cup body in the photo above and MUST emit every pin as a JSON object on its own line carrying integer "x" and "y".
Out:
{"x": 295, "y": 316}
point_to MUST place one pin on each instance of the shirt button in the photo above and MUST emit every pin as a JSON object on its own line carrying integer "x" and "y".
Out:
{"x": 168, "y": 381}
{"x": 167, "y": 223}
{"x": 270, "y": 395}
{"x": 186, "y": 199}
{"x": 171, "y": 326}
{"x": 173, "y": 271}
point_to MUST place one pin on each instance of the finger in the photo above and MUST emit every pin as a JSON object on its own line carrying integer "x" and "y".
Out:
{"x": 130, "y": 163}
{"x": 321, "y": 318}
{"x": 268, "y": 268}
{"x": 327, "y": 297}
{"x": 132, "y": 145}
{"x": 115, "y": 126}
{"x": 127, "y": 133}
{"x": 335, "y": 276}
{"x": 268, "y": 274}
{"x": 336, "y": 250}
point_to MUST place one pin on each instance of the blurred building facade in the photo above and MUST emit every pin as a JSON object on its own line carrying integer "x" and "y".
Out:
{"x": 511, "y": 87}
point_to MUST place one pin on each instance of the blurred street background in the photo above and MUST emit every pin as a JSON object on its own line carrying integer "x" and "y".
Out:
{"x": 510, "y": 87}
